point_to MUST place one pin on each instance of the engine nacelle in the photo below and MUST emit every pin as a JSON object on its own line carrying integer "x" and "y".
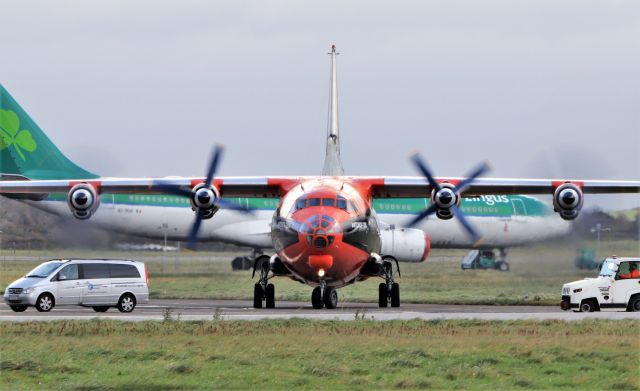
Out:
{"x": 203, "y": 200}
{"x": 405, "y": 244}
{"x": 568, "y": 200}
{"x": 83, "y": 201}
{"x": 444, "y": 199}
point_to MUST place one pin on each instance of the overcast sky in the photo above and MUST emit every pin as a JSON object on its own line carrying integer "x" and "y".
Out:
{"x": 146, "y": 88}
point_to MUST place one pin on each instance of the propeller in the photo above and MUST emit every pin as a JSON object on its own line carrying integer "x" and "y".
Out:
{"x": 202, "y": 195}
{"x": 445, "y": 197}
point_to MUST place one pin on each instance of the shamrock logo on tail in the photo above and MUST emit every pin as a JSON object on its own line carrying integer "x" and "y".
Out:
{"x": 10, "y": 134}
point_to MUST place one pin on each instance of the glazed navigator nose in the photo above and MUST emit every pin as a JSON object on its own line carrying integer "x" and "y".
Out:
{"x": 321, "y": 230}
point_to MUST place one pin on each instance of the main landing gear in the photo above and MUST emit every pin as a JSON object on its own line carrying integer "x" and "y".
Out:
{"x": 388, "y": 290}
{"x": 324, "y": 296}
{"x": 263, "y": 290}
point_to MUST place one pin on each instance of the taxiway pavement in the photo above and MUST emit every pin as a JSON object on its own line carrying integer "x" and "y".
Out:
{"x": 243, "y": 310}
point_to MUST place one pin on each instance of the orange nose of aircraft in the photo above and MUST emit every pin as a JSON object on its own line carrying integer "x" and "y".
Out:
{"x": 320, "y": 252}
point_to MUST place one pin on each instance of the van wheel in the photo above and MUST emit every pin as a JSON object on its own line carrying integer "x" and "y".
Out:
{"x": 126, "y": 303}
{"x": 587, "y": 306}
{"x": 101, "y": 308}
{"x": 634, "y": 304}
{"x": 45, "y": 303}
{"x": 18, "y": 308}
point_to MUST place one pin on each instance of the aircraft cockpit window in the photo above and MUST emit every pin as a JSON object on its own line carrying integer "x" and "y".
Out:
{"x": 301, "y": 203}
{"x": 314, "y": 202}
{"x": 328, "y": 202}
{"x": 341, "y": 203}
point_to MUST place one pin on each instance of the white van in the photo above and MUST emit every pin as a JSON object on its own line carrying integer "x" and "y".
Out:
{"x": 617, "y": 287}
{"x": 96, "y": 283}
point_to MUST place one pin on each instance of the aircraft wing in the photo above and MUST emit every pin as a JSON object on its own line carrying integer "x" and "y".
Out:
{"x": 229, "y": 186}
{"x": 393, "y": 187}
{"x": 381, "y": 187}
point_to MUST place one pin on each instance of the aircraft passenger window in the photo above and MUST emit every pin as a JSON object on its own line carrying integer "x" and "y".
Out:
{"x": 68, "y": 273}
{"x": 328, "y": 202}
{"x": 314, "y": 201}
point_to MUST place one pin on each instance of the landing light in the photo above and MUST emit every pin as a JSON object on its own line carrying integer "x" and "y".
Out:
{"x": 321, "y": 273}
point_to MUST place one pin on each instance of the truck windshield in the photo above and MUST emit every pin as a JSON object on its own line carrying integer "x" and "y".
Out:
{"x": 607, "y": 269}
{"x": 44, "y": 270}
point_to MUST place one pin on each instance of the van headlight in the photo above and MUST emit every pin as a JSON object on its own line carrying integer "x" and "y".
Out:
{"x": 28, "y": 290}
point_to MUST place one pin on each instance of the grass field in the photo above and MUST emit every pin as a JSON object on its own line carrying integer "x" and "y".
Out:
{"x": 95, "y": 355}
{"x": 536, "y": 276}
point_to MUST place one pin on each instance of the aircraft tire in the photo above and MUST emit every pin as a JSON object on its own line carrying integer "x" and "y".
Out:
{"x": 395, "y": 295}
{"x": 330, "y": 299}
{"x": 383, "y": 294}
{"x": 257, "y": 296}
{"x": 316, "y": 298}
{"x": 270, "y": 296}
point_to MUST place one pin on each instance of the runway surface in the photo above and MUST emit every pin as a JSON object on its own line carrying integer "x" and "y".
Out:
{"x": 242, "y": 310}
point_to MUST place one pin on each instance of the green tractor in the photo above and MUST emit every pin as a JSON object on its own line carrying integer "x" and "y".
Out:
{"x": 483, "y": 259}
{"x": 586, "y": 259}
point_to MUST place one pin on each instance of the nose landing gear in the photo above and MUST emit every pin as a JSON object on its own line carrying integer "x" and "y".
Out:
{"x": 324, "y": 296}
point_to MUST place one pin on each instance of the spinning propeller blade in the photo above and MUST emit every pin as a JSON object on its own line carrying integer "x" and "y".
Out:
{"x": 169, "y": 188}
{"x": 458, "y": 190}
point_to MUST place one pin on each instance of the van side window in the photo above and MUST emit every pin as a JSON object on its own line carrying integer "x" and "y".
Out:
{"x": 95, "y": 270}
{"x": 124, "y": 271}
{"x": 69, "y": 272}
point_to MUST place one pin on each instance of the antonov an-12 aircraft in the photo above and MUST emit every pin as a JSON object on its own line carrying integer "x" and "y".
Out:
{"x": 328, "y": 231}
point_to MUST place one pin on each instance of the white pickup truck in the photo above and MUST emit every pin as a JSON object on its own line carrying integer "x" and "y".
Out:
{"x": 616, "y": 288}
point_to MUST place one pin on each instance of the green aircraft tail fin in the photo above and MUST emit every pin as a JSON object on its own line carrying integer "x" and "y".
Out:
{"x": 26, "y": 151}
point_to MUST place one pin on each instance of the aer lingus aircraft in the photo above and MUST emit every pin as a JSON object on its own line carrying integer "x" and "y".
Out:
{"x": 328, "y": 231}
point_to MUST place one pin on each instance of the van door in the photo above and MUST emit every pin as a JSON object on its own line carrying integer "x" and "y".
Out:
{"x": 68, "y": 286}
{"x": 96, "y": 283}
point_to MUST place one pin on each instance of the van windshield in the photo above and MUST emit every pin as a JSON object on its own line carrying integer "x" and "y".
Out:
{"x": 44, "y": 270}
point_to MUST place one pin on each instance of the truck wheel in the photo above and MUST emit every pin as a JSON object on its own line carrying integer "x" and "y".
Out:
{"x": 45, "y": 303}
{"x": 634, "y": 304}
{"x": 502, "y": 266}
{"x": 587, "y": 305}
{"x": 18, "y": 308}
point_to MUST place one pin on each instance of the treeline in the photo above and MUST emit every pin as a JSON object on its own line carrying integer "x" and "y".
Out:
{"x": 617, "y": 226}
